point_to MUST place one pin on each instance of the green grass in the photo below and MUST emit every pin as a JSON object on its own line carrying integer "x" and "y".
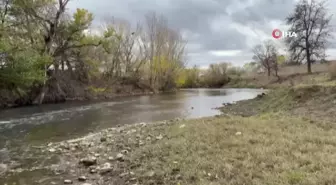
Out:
{"x": 270, "y": 150}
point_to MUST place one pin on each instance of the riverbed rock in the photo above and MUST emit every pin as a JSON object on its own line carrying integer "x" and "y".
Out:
{"x": 120, "y": 157}
{"x": 82, "y": 178}
{"x": 52, "y": 150}
{"x": 107, "y": 167}
{"x": 93, "y": 170}
{"x": 238, "y": 133}
{"x": 88, "y": 161}
{"x": 150, "y": 174}
{"x": 124, "y": 151}
{"x": 122, "y": 175}
{"x": 86, "y": 184}
{"x": 67, "y": 181}
{"x": 3, "y": 168}
{"x": 159, "y": 137}
{"x": 103, "y": 139}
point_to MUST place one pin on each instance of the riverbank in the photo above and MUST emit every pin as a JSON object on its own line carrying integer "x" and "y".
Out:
{"x": 9, "y": 100}
{"x": 291, "y": 80}
{"x": 283, "y": 137}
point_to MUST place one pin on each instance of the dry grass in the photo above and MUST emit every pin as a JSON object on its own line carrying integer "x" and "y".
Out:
{"x": 289, "y": 76}
{"x": 269, "y": 151}
{"x": 332, "y": 70}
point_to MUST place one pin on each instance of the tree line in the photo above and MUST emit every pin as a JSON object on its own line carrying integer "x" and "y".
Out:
{"x": 48, "y": 54}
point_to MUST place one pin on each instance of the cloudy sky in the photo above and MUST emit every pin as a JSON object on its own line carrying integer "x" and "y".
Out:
{"x": 216, "y": 30}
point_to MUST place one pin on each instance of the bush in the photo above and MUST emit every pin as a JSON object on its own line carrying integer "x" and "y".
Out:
{"x": 332, "y": 70}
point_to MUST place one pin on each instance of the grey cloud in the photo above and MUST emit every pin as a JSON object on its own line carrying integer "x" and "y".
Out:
{"x": 263, "y": 11}
{"x": 197, "y": 16}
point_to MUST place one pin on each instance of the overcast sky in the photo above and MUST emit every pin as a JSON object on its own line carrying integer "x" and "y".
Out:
{"x": 216, "y": 30}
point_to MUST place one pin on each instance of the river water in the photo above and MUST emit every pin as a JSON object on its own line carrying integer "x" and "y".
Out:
{"x": 25, "y": 126}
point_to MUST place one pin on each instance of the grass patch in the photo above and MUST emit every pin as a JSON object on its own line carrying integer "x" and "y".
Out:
{"x": 284, "y": 150}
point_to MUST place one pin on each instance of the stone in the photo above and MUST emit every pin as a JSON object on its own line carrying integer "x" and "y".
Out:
{"x": 133, "y": 179}
{"x": 107, "y": 167}
{"x": 148, "y": 138}
{"x": 103, "y": 139}
{"x": 67, "y": 181}
{"x": 3, "y": 168}
{"x": 89, "y": 161}
{"x": 178, "y": 177}
{"x": 92, "y": 171}
{"x": 150, "y": 174}
{"x": 238, "y": 133}
{"x": 86, "y": 184}
{"x": 159, "y": 137}
{"x": 120, "y": 157}
{"x": 52, "y": 150}
{"x": 123, "y": 175}
{"x": 96, "y": 155}
{"x": 82, "y": 178}
{"x": 124, "y": 151}
{"x": 110, "y": 158}
{"x": 182, "y": 126}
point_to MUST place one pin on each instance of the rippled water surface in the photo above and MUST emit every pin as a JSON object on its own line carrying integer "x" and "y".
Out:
{"x": 63, "y": 121}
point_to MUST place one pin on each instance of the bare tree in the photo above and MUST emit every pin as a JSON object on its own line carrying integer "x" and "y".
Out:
{"x": 310, "y": 21}
{"x": 165, "y": 49}
{"x": 266, "y": 55}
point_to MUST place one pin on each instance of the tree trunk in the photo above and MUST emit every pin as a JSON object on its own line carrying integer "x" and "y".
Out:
{"x": 269, "y": 72}
{"x": 309, "y": 65}
{"x": 308, "y": 58}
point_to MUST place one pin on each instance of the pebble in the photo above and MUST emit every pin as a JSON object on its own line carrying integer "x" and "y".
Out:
{"x": 67, "y": 181}
{"x": 238, "y": 133}
{"x": 3, "y": 168}
{"x": 123, "y": 175}
{"x": 182, "y": 126}
{"x": 52, "y": 150}
{"x": 120, "y": 157}
{"x": 93, "y": 171}
{"x": 159, "y": 137}
{"x": 96, "y": 155}
{"x": 103, "y": 139}
{"x": 124, "y": 151}
{"x": 82, "y": 178}
{"x": 86, "y": 184}
{"x": 150, "y": 174}
{"x": 107, "y": 167}
{"x": 133, "y": 179}
{"x": 89, "y": 161}
{"x": 110, "y": 158}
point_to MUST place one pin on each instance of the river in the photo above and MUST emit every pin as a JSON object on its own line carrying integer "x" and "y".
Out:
{"x": 27, "y": 126}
